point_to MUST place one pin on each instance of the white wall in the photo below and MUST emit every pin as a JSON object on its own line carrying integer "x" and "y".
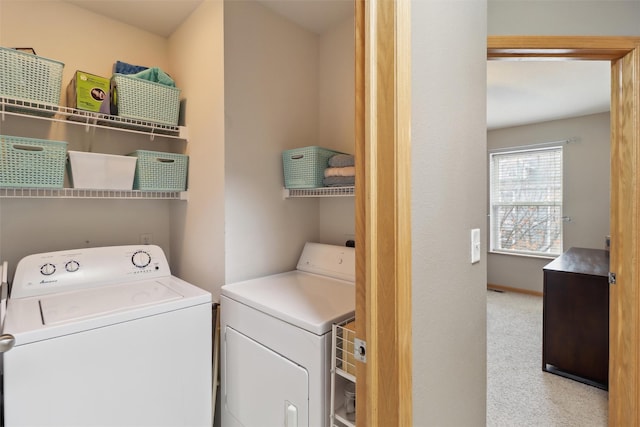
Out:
{"x": 336, "y": 117}
{"x": 196, "y": 51}
{"x": 448, "y": 42}
{"x": 72, "y": 35}
{"x": 336, "y": 87}
{"x": 586, "y": 191}
{"x": 564, "y": 17}
{"x": 271, "y": 105}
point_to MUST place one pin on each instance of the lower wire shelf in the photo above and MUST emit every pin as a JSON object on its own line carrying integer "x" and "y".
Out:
{"x": 343, "y": 371}
{"x": 340, "y": 415}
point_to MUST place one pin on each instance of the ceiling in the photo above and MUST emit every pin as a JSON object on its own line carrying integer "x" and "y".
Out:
{"x": 523, "y": 92}
{"x": 518, "y": 93}
{"x": 160, "y": 17}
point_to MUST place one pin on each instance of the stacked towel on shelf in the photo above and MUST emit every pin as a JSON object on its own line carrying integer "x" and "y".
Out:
{"x": 341, "y": 160}
{"x": 341, "y": 171}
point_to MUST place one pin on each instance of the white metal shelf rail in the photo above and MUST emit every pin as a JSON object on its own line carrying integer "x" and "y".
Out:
{"x": 56, "y": 113}
{"x": 318, "y": 192}
{"x": 78, "y": 193}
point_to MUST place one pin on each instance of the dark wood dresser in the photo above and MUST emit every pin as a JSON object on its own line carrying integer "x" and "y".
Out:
{"x": 575, "y": 325}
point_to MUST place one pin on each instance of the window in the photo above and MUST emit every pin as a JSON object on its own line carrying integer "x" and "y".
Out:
{"x": 526, "y": 201}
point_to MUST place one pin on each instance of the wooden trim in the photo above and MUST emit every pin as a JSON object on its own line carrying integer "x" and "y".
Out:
{"x": 403, "y": 261}
{"x": 624, "y": 324}
{"x": 360, "y": 207}
{"x": 624, "y": 314}
{"x": 383, "y": 215}
{"x": 559, "y": 48}
{"x": 492, "y": 287}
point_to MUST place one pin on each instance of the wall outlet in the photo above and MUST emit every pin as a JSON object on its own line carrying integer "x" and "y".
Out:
{"x": 146, "y": 238}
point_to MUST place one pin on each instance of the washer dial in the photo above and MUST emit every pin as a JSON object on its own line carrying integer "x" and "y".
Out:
{"x": 72, "y": 266}
{"x": 141, "y": 259}
{"x": 48, "y": 269}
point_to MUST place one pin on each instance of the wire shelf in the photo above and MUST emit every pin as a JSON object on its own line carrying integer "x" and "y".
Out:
{"x": 78, "y": 193}
{"x": 345, "y": 363}
{"x": 319, "y": 192}
{"x": 342, "y": 365}
{"x": 57, "y": 113}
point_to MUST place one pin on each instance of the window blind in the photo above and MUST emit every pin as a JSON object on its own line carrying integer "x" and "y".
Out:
{"x": 526, "y": 201}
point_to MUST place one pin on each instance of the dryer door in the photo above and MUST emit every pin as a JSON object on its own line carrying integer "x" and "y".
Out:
{"x": 262, "y": 387}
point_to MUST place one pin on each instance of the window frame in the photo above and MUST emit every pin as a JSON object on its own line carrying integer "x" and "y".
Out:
{"x": 494, "y": 241}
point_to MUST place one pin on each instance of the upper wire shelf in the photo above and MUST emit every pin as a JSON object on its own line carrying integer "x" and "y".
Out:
{"x": 58, "y": 113}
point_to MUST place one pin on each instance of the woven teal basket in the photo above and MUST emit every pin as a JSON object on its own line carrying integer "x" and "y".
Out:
{"x": 144, "y": 100}
{"x": 31, "y": 163}
{"x": 30, "y": 78}
{"x": 157, "y": 171}
{"x": 304, "y": 167}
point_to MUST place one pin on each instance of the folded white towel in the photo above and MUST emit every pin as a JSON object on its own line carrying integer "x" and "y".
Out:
{"x": 347, "y": 171}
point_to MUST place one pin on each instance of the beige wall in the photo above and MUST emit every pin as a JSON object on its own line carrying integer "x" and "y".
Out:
{"x": 196, "y": 51}
{"x": 60, "y": 31}
{"x": 564, "y": 17}
{"x": 75, "y": 36}
{"x": 448, "y": 42}
{"x": 586, "y": 191}
{"x": 271, "y": 105}
{"x": 285, "y": 88}
{"x": 336, "y": 129}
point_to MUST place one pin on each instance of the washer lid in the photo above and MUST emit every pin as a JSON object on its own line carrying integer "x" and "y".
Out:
{"x": 308, "y": 301}
{"x": 43, "y": 317}
{"x": 59, "y": 308}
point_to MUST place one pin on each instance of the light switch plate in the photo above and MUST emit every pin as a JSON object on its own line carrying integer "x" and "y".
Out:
{"x": 475, "y": 245}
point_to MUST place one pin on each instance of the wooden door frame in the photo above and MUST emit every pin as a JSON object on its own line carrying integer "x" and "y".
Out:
{"x": 383, "y": 223}
{"x": 624, "y": 332}
{"x": 383, "y": 207}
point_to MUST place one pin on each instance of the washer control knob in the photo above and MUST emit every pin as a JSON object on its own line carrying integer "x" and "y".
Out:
{"x": 141, "y": 259}
{"x": 72, "y": 266}
{"x": 48, "y": 269}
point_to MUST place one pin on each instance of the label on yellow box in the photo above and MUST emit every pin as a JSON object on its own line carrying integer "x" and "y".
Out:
{"x": 87, "y": 91}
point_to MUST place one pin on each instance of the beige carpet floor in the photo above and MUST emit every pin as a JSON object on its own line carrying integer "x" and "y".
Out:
{"x": 519, "y": 393}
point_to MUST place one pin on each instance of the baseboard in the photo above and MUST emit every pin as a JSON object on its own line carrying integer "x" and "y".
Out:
{"x": 493, "y": 287}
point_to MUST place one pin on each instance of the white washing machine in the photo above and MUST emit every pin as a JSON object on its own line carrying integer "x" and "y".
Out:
{"x": 276, "y": 342}
{"x": 106, "y": 337}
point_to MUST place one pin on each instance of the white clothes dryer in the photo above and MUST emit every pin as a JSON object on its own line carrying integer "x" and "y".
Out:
{"x": 106, "y": 337}
{"x": 276, "y": 340}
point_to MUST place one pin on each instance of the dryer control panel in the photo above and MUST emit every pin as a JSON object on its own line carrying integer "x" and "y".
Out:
{"x": 62, "y": 271}
{"x": 338, "y": 262}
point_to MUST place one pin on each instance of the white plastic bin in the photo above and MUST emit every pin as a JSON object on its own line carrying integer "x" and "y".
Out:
{"x": 101, "y": 171}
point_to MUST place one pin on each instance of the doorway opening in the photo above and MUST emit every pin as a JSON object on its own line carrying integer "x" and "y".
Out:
{"x": 624, "y": 313}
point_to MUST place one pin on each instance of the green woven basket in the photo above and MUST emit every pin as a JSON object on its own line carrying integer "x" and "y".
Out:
{"x": 31, "y": 163}
{"x": 158, "y": 171}
{"x": 304, "y": 167}
{"x": 28, "y": 77}
{"x": 148, "y": 101}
